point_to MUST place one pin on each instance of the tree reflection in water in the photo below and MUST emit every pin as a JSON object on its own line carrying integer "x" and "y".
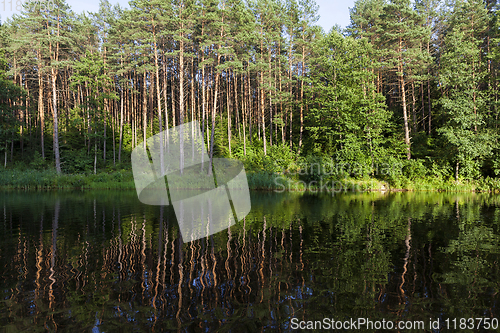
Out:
{"x": 103, "y": 261}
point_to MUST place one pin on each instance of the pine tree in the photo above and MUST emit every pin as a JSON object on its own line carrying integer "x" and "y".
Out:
{"x": 119, "y": 57}
{"x": 347, "y": 118}
{"x": 32, "y": 42}
{"x": 464, "y": 102}
{"x": 403, "y": 34}
{"x": 291, "y": 21}
{"x": 308, "y": 16}
{"x": 428, "y": 10}
{"x": 58, "y": 40}
{"x": 9, "y": 95}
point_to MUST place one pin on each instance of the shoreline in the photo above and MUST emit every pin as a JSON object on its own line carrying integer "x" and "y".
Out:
{"x": 47, "y": 180}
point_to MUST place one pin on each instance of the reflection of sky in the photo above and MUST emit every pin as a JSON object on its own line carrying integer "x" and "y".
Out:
{"x": 331, "y": 11}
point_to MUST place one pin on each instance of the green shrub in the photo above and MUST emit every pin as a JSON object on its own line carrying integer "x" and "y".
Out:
{"x": 414, "y": 169}
{"x": 38, "y": 162}
{"x": 77, "y": 161}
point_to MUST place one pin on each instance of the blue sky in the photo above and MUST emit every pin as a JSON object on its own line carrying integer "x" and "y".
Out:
{"x": 331, "y": 11}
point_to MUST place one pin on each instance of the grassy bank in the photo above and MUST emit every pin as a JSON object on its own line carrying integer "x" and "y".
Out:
{"x": 257, "y": 180}
{"x": 49, "y": 179}
{"x": 268, "y": 181}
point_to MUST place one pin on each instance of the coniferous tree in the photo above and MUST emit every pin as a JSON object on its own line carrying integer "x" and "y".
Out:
{"x": 462, "y": 75}
{"x": 401, "y": 40}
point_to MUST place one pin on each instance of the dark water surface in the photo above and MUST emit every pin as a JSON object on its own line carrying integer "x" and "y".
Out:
{"x": 103, "y": 262}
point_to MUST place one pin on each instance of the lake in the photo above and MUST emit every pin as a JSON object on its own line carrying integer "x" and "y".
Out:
{"x": 101, "y": 261}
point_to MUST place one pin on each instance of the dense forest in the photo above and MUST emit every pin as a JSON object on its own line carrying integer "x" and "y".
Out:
{"x": 407, "y": 83}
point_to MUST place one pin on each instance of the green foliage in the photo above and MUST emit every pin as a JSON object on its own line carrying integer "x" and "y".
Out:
{"x": 9, "y": 92}
{"x": 78, "y": 161}
{"x": 353, "y": 151}
{"x": 414, "y": 169}
{"x": 49, "y": 179}
{"x": 439, "y": 170}
{"x": 464, "y": 105}
{"x": 263, "y": 180}
{"x": 344, "y": 119}
{"x": 279, "y": 158}
{"x": 38, "y": 163}
{"x": 339, "y": 94}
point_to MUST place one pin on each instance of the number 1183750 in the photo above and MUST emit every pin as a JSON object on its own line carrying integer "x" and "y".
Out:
{"x": 28, "y": 5}
{"x": 471, "y": 323}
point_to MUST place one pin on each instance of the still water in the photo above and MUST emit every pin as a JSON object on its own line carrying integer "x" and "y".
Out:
{"x": 103, "y": 262}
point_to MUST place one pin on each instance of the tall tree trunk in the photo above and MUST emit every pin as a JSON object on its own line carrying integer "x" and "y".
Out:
{"x": 172, "y": 97}
{"x": 158, "y": 97}
{"x": 104, "y": 134}
{"x": 474, "y": 97}
{"x": 302, "y": 94}
{"x": 192, "y": 107}
{"x": 249, "y": 105}
{"x": 89, "y": 126}
{"x": 56, "y": 130}
{"x": 165, "y": 91}
{"x": 203, "y": 99}
{"x": 40, "y": 107}
{"x": 423, "y": 105}
{"x": 181, "y": 98}
{"x": 144, "y": 109}
{"x": 290, "y": 107}
{"x": 281, "y": 99}
{"x": 54, "y": 55}
{"x": 113, "y": 124}
{"x": 262, "y": 107}
{"x": 270, "y": 101}
{"x": 235, "y": 84}
{"x": 121, "y": 126}
{"x": 413, "y": 111}
{"x": 165, "y": 98}
{"x": 228, "y": 89}
{"x": 133, "y": 111}
{"x": 429, "y": 105}
{"x": 261, "y": 95}
{"x": 216, "y": 87}
{"x": 405, "y": 114}
{"x": 244, "y": 115}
